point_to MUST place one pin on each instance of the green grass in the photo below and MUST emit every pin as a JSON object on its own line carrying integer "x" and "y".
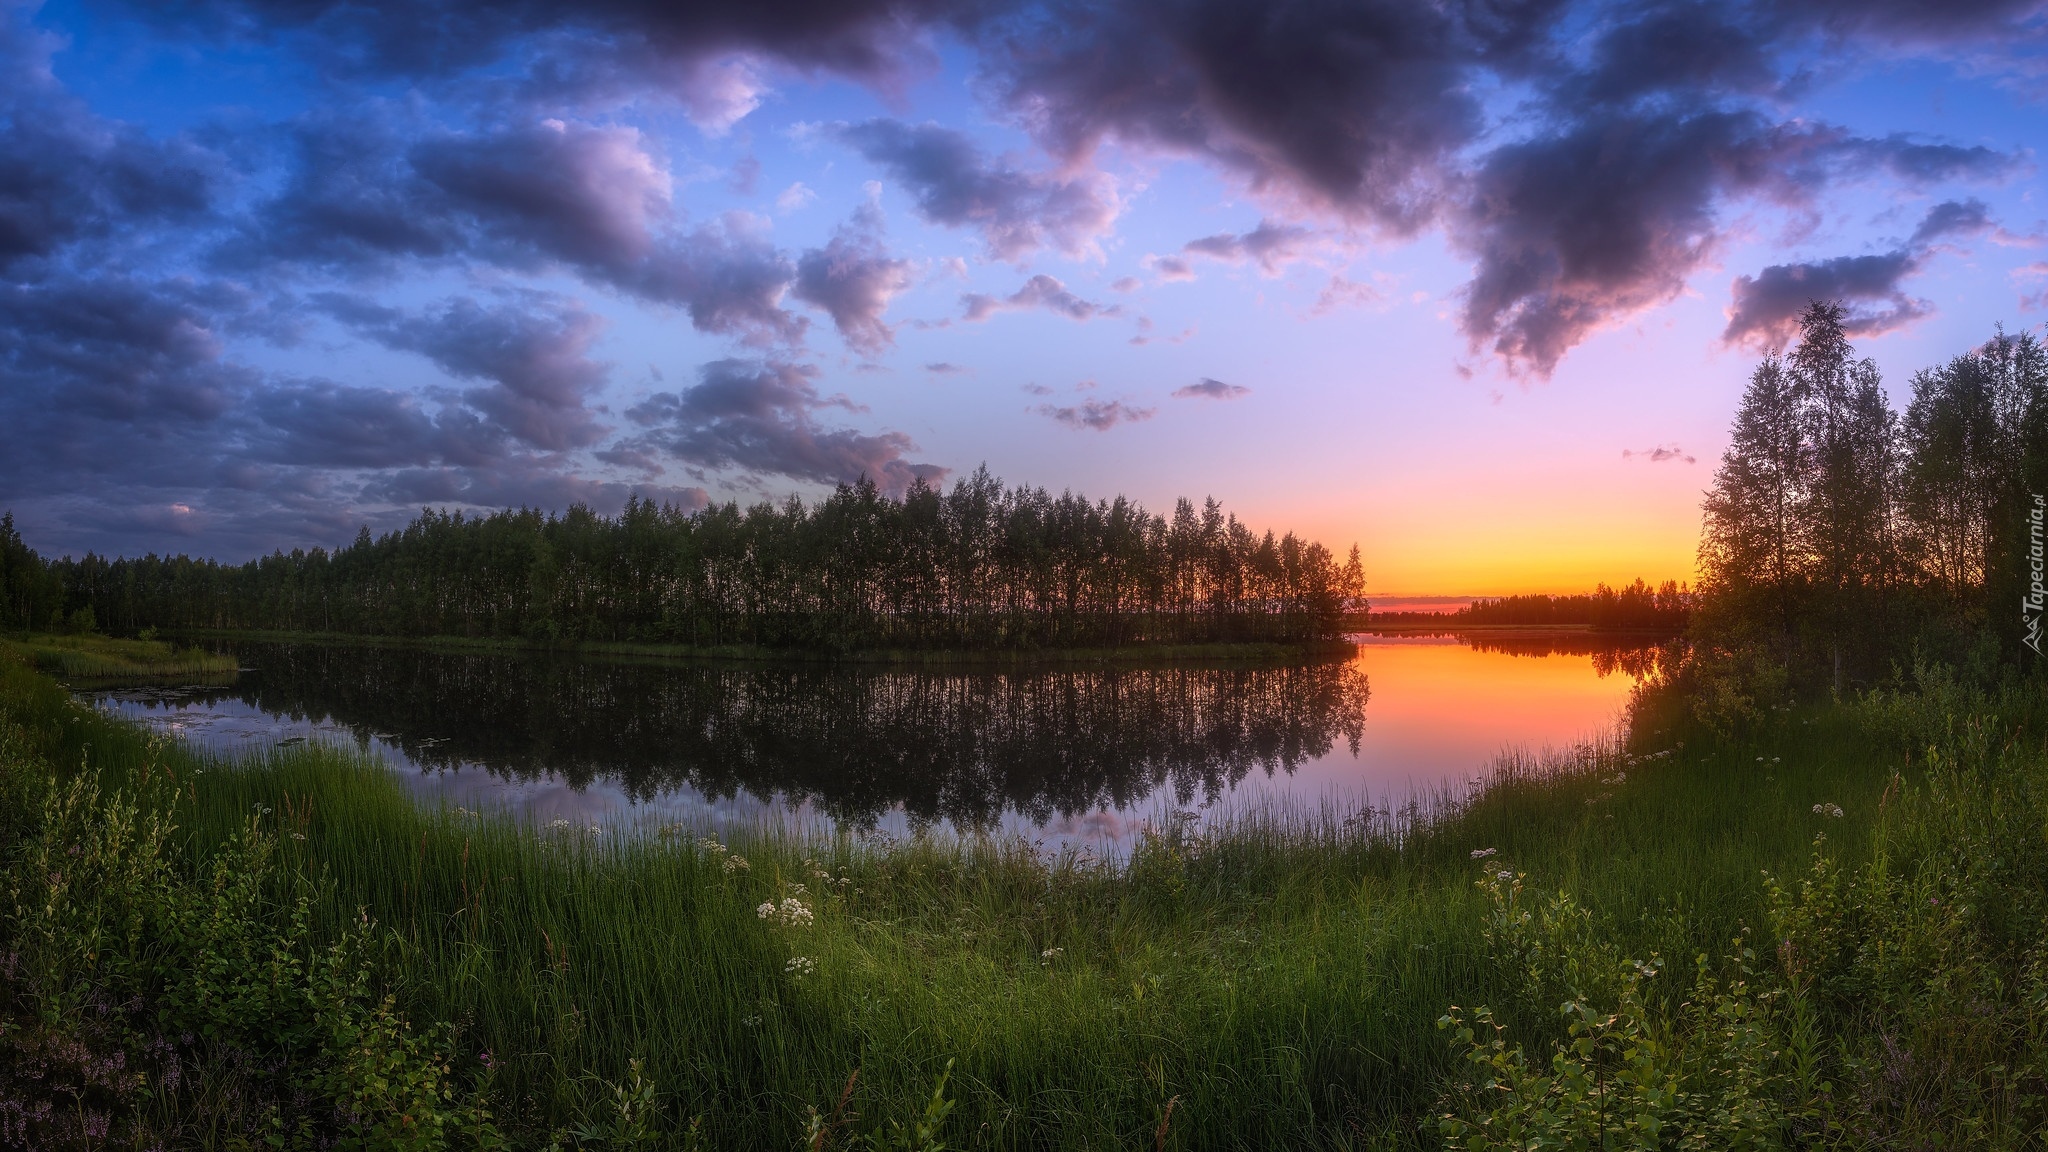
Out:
{"x": 103, "y": 660}
{"x": 1276, "y": 979}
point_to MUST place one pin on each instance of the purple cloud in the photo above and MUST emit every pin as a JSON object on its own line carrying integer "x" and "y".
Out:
{"x": 1095, "y": 415}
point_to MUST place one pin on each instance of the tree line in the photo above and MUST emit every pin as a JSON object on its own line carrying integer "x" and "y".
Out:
{"x": 982, "y": 566}
{"x": 1842, "y": 539}
{"x": 1633, "y": 607}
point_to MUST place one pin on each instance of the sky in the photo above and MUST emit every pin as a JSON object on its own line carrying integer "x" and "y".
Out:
{"x": 1474, "y": 285}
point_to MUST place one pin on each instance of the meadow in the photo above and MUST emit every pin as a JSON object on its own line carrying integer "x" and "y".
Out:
{"x": 1823, "y": 927}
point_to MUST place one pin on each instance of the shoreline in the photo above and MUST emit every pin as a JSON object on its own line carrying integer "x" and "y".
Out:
{"x": 1234, "y": 653}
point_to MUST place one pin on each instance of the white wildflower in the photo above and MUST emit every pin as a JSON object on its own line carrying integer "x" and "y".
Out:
{"x": 1050, "y": 955}
{"x": 800, "y": 967}
{"x": 559, "y": 825}
{"x": 791, "y": 913}
{"x": 1827, "y": 810}
{"x": 712, "y": 846}
{"x": 1503, "y": 875}
{"x": 1483, "y": 853}
{"x": 735, "y": 863}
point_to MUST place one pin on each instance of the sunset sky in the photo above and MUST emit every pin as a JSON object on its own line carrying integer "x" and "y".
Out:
{"x": 1473, "y": 285}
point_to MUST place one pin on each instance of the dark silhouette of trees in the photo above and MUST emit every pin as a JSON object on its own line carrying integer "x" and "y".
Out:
{"x": 983, "y": 566}
{"x": 31, "y": 595}
{"x": 1840, "y": 538}
{"x": 1633, "y": 607}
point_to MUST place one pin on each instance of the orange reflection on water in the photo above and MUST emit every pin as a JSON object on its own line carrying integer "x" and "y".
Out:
{"x": 1442, "y": 710}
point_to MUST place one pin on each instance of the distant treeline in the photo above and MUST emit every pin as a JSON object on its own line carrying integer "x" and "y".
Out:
{"x": 1843, "y": 541}
{"x": 983, "y": 566}
{"x": 1634, "y": 607}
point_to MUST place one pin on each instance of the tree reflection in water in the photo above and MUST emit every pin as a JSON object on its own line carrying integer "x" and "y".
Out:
{"x": 961, "y": 746}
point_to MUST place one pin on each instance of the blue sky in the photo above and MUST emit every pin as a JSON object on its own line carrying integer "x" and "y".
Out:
{"x": 1475, "y": 286}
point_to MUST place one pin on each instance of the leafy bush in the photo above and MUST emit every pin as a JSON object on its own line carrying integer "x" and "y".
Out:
{"x": 142, "y": 1002}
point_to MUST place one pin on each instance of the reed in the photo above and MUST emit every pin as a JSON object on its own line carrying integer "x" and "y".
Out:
{"x": 1270, "y": 977}
{"x": 89, "y": 659}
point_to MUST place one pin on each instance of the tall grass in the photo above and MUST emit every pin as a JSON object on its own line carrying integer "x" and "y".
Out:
{"x": 91, "y": 658}
{"x": 1275, "y": 978}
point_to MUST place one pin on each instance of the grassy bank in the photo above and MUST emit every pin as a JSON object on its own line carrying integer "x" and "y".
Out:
{"x": 92, "y": 659}
{"x": 1277, "y": 981}
{"x": 1133, "y": 654}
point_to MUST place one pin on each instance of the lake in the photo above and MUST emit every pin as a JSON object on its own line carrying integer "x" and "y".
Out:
{"x": 1063, "y": 753}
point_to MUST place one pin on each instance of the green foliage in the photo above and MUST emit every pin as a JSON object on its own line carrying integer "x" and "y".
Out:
{"x": 1627, "y": 1073}
{"x": 981, "y": 567}
{"x": 91, "y": 658}
{"x": 140, "y": 1002}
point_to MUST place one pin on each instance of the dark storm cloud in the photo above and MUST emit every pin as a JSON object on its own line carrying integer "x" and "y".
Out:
{"x": 1041, "y": 291}
{"x": 521, "y": 487}
{"x": 853, "y": 278}
{"x": 535, "y": 351}
{"x": 428, "y": 38}
{"x": 322, "y": 424}
{"x": 1209, "y": 389}
{"x": 956, "y": 185}
{"x": 1605, "y": 219}
{"x": 759, "y": 415}
{"x": 67, "y": 176}
{"x": 1765, "y": 310}
{"x": 112, "y": 349}
{"x": 1094, "y": 415}
{"x": 1952, "y": 218}
{"x": 1674, "y": 49}
{"x": 585, "y": 195}
{"x": 1357, "y": 106}
{"x": 364, "y": 195}
{"x": 1613, "y": 214}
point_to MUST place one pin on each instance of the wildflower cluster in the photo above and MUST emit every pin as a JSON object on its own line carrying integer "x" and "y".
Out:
{"x": 800, "y": 967}
{"x": 790, "y": 913}
{"x": 1831, "y": 810}
{"x": 729, "y": 861}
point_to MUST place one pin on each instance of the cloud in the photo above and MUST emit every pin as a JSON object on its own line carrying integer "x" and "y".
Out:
{"x": 1270, "y": 246}
{"x": 581, "y": 48}
{"x": 1659, "y": 455}
{"x": 954, "y": 184}
{"x": 758, "y": 415}
{"x": 1041, "y": 291}
{"x": 361, "y": 199}
{"x": 1208, "y": 389}
{"x": 1764, "y": 311}
{"x": 1342, "y": 292}
{"x": 1952, "y": 218}
{"x": 586, "y": 195}
{"x": 534, "y": 351}
{"x": 853, "y": 278}
{"x": 1095, "y": 415}
{"x": 1170, "y": 268}
{"x": 66, "y": 175}
{"x": 943, "y": 368}
{"x": 1766, "y": 307}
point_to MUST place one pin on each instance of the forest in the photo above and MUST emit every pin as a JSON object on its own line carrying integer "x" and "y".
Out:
{"x": 982, "y": 566}
{"x": 1634, "y": 607}
{"x": 1844, "y": 543}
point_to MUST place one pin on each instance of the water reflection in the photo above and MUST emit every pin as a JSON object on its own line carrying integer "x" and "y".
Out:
{"x": 853, "y": 743}
{"x": 1071, "y": 752}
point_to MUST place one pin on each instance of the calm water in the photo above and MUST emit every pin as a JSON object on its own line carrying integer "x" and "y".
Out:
{"x": 1068, "y": 754}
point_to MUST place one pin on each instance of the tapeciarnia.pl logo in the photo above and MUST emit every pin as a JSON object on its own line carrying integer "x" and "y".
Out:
{"x": 2037, "y": 595}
